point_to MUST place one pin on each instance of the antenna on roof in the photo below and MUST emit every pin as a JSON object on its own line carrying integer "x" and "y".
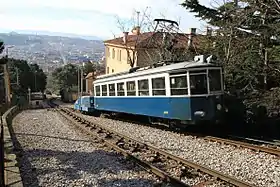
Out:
{"x": 138, "y": 18}
{"x": 165, "y": 38}
{"x": 166, "y": 28}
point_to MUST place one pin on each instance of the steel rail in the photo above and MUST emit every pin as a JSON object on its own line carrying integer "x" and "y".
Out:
{"x": 147, "y": 166}
{"x": 244, "y": 145}
{"x": 198, "y": 167}
{"x": 236, "y": 143}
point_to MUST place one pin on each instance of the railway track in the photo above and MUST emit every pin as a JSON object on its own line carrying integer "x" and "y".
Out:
{"x": 234, "y": 141}
{"x": 168, "y": 167}
{"x": 272, "y": 143}
{"x": 257, "y": 148}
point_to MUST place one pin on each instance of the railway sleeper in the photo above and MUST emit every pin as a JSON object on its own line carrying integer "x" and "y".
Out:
{"x": 188, "y": 173}
{"x": 215, "y": 174}
{"x": 108, "y": 135}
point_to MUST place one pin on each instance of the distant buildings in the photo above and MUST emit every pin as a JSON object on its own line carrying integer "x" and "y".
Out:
{"x": 51, "y": 52}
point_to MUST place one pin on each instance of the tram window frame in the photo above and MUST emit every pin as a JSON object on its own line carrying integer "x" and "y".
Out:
{"x": 177, "y": 90}
{"x": 130, "y": 92}
{"x": 104, "y": 92}
{"x": 218, "y": 79}
{"x": 198, "y": 73}
{"x": 120, "y": 92}
{"x": 158, "y": 90}
{"x": 97, "y": 90}
{"x": 112, "y": 90}
{"x": 143, "y": 87}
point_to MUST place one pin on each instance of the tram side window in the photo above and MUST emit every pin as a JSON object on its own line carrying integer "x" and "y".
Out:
{"x": 215, "y": 82}
{"x": 120, "y": 89}
{"x": 112, "y": 90}
{"x": 198, "y": 83}
{"x": 158, "y": 85}
{"x": 97, "y": 90}
{"x": 143, "y": 87}
{"x": 131, "y": 91}
{"x": 179, "y": 85}
{"x": 104, "y": 90}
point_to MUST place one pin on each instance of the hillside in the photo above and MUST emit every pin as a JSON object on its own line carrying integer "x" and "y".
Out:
{"x": 52, "y": 51}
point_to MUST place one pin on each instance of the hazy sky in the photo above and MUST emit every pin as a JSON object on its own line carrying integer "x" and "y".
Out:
{"x": 86, "y": 17}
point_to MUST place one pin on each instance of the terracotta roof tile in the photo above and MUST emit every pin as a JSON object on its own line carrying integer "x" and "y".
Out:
{"x": 152, "y": 39}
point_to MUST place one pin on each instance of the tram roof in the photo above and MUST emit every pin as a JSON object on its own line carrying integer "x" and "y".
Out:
{"x": 149, "y": 70}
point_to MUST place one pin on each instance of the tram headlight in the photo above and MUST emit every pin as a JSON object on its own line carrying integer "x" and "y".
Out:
{"x": 219, "y": 106}
{"x": 199, "y": 113}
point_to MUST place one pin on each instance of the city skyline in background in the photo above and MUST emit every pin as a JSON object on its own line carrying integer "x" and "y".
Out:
{"x": 92, "y": 19}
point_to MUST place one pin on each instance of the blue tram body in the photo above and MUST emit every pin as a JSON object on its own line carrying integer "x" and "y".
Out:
{"x": 77, "y": 104}
{"x": 85, "y": 104}
{"x": 178, "y": 108}
{"x": 185, "y": 93}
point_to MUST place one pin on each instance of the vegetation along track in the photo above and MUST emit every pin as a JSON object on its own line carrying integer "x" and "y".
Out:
{"x": 169, "y": 167}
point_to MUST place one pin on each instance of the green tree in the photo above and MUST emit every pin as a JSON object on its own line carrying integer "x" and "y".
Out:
{"x": 246, "y": 31}
{"x": 65, "y": 77}
{"x": 2, "y": 46}
{"x": 89, "y": 67}
{"x": 3, "y": 60}
{"x": 39, "y": 78}
{"x": 30, "y": 76}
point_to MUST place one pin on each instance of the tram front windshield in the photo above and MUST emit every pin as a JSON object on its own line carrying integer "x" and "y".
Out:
{"x": 198, "y": 81}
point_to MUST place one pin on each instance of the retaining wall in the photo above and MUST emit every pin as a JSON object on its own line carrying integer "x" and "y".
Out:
{"x": 11, "y": 168}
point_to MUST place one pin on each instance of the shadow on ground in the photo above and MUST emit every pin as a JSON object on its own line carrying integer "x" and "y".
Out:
{"x": 69, "y": 167}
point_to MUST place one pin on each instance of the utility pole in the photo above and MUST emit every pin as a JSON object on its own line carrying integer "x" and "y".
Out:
{"x": 264, "y": 53}
{"x": 17, "y": 77}
{"x": 7, "y": 78}
{"x": 35, "y": 81}
{"x": 82, "y": 76}
{"x": 138, "y": 19}
{"x": 78, "y": 81}
{"x": 7, "y": 84}
{"x": 29, "y": 95}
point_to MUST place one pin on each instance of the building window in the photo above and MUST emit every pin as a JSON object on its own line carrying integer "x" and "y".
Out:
{"x": 130, "y": 85}
{"x": 143, "y": 87}
{"x": 120, "y": 89}
{"x": 129, "y": 58}
{"x": 120, "y": 55}
{"x": 104, "y": 90}
{"x": 158, "y": 85}
{"x": 179, "y": 85}
{"x": 108, "y": 70}
{"x": 113, "y": 70}
{"x": 113, "y": 53}
{"x": 112, "y": 90}
{"x": 108, "y": 51}
{"x": 97, "y": 90}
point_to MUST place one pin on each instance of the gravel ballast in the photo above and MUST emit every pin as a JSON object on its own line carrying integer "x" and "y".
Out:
{"x": 260, "y": 169}
{"x": 54, "y": 153}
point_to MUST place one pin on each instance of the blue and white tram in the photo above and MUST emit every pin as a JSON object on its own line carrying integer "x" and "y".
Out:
{"x": 85, "y": 104}
{"x": 180, "y": 93}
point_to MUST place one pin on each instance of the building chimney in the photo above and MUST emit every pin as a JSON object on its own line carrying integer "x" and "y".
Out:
{"x": 192, "y": 31}
{"x": 136, "y": 30}
{"x": 208, "y": 31}
{"x": 191, "y": 34}
{"x": 125, "y": 34}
